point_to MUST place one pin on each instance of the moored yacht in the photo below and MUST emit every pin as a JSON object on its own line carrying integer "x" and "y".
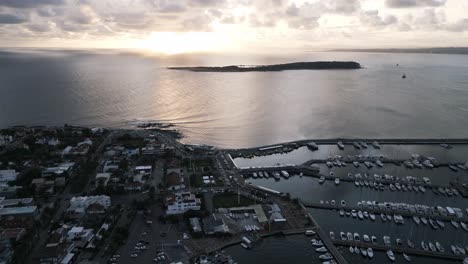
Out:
{"x": 390, "y": 255}
{"x": 321, "y": 179}
{"x": 406, "y": 257}
{"x": 370, "y": 252}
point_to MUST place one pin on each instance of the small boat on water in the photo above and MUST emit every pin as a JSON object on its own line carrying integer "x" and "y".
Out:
{"x": 321, "y": 179}
{"x": 342, "y": 212}
{"x": 389, "y": 217}
{"x": 360, "y": 215}
{"x": 337, "y": 181}
{"x": 244, "y": 246}
{"x": 309, "y": 232}
{"x": 432, "y": 247}
{"x": 350, "y": 236}
{"x": 387, "y": 241}
{"x": 343, "y": 235}
{"x": 406, "y": 257}
{"x": 316, "y": 242}
{"x": 260, "y": 174}
{"x": 357, "y": 237}
{"x": 424, "y": 246}
{"x": 382, "y": 216}
{"x": 455, "y": 224}
{"x": 364, "y": 252}
{"x": 332, "y": 235}
{"x": 356, "y": 183}
{"x": 440, "y": 223}
{"x": 353, "y": 213}
{"x": 366, "y": 238}
{"x": 321, "y": 249}
{"x": 409, "y": 243}
{"x": 370, "y": 252}
{"x": 374, "y": 239}
{"x": 366, "y": 214}
{"x": 390, "y": 255}
{"x": 424, "y": 220}
{"x": 326, "y": 256}
{"x": 464, "y": 226}
{"x": 340, "y": 145}
{"x": 439, "y": 247}
{"x": 285, "y": 174}
{"x": 254, "y": 175}
{"x": 416, "y": 220}
{"x": 399, "y": 242}
{"x": 351, "y": 249}
{"x": 372, "y": 216}
{"x": 422, "y": 189}
{"x": 433, "y": 224}
{"x": 357, "y": 251}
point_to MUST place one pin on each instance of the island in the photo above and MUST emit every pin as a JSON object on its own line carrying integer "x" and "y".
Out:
{"x": 316, "y": 65}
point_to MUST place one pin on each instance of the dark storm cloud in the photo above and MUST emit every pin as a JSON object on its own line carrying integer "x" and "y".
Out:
{"x": 12, "y": 19}
{"x": 29, "y": 3}
{"x": 414, "y": 3}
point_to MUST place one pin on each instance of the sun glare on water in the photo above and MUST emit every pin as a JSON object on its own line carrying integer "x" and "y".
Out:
{"x": 184, "y": 42}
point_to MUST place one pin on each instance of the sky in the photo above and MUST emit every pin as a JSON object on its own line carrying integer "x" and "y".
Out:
{"x": 179, "y": 26}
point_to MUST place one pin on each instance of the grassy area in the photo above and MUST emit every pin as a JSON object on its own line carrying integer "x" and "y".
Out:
{"x": 227, "y": 200}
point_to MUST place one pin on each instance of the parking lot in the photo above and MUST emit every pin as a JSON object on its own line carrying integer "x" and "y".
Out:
{"x": 153, "y": 242}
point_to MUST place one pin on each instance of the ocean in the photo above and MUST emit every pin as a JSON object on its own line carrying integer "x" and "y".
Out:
{"x": 54, "y": 87}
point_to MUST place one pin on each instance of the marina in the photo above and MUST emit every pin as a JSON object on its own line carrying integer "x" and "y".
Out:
{"x": 374, "y": 191}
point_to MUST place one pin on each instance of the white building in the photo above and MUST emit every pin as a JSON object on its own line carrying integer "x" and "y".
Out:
{"x": 7, "y": 175}
{"x": 4, "y": 140}
{"x": 85, "y": 201}
{"x": 180, "y": 203}
{"x": 102, "y": 179}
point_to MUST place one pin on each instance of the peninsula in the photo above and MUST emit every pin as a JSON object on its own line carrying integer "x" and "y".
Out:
{"x": 316, "y": 65}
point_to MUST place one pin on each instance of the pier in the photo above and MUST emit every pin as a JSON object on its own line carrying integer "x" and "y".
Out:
{"x": 396, "y": 249}
{"x": 380, "y": 211}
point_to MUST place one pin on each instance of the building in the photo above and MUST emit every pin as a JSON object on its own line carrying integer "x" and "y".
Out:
{"x": 213, "y": 225}
{"x": 59, "y": 254}
{"x": 57, "y": 170}
{"x": 7, "y": 175}
{"x": 175, "y": 180}
{"x": 102, "y": 179}
{"x": 195, "y": 225}
{"x": 180, "y": 203}
{"x": 5, "y": 139}
{"x": 95, "y": 209}
{"x": 23, "y": 211}
{"x": 15, "y": 202}
{"x": 85, "y": 201}
{"x": 110, "y": 166}
{"x": 133, "y": 186}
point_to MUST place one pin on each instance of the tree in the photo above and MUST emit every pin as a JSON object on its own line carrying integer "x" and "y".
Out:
{"x": 152, "y": 191}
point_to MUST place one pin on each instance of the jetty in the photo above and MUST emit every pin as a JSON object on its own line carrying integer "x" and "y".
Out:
{"x": 380, "y": 211}
{"x": 396, "y": 249}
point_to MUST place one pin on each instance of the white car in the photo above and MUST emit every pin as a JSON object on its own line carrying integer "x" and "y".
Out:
{"x": 134, "y": 255}
{"x": 185, "y": 236}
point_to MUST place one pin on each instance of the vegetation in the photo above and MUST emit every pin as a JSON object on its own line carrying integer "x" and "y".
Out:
{"x": 84, "y": 171}
{"x": 317, "y": 65}
{"x": 227, "y": 200}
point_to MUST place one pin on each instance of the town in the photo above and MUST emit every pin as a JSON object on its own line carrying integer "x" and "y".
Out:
{"x": 90, "y": 195}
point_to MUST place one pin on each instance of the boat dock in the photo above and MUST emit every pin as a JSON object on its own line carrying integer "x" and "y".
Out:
{"x": 380, "y": 211}
{"x": 396, "y": 249}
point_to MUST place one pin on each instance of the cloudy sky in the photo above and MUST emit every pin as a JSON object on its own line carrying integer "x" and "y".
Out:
{"x": 175, "y": 26}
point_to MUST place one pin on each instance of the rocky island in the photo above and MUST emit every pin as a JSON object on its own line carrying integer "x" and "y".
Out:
{"x": 316, "y": 65}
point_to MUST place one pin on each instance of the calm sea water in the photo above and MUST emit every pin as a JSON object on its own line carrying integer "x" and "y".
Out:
{"x": 240, "y": 109}
{"x": 309, "y": 189}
